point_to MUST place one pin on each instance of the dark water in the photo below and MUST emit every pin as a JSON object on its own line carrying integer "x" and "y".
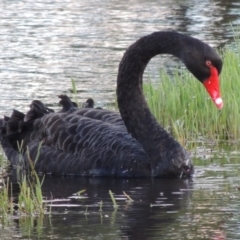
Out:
{"x": 205, "y": 207}
{"x": 45, "y": 44}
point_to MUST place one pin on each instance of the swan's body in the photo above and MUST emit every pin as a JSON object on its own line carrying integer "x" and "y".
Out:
{"x": 97, "y": 142}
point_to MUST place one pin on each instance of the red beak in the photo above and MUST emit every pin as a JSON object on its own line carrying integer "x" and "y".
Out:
{"x": 212, "y": 86}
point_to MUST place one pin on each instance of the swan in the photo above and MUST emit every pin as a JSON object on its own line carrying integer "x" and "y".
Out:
{"x": 93, "y": 142}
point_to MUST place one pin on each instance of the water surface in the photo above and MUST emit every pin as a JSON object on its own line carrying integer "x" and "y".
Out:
{"x": 45, "y": 44}
{"x": 205, "y": 207}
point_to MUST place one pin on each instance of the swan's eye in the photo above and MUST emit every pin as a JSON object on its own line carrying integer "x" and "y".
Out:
{"x": 208, "y": 63}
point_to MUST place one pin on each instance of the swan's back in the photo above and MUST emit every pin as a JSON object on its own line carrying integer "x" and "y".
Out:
{"x": 79, "y": 145}
{"x": 73, "y": 143}
{"x": 103, "y": 115}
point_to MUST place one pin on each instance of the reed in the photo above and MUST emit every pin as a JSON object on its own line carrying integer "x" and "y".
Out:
{"x": 183, "y": 107}
{"x": 74, "y": 92}
{"x": 6, "y": 202}
{"x": 113, "y": 199}
{"x": 30, "y": 199}
{"x": 129, "y": 199}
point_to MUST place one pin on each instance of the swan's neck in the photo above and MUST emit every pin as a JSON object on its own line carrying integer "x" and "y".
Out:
{"x": 132, "y": 105}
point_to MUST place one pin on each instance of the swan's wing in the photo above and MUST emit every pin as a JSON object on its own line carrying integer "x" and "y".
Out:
{"x": 74, "y": 144}
{"x": 103, "y": 115}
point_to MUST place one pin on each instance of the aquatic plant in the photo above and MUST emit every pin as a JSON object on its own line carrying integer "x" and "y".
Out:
{"x": 30, "y": 199}
{"x": 80, "y": 192}
{"x": 6, "y": 202}
{"x": 113, "y": 199}
{"x": 28, "y": 224}
{"x": 129, "y": 199}
{"x": 74, "y": 92}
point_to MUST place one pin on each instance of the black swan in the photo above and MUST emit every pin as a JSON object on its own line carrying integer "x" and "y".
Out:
{"x": 93, "y": 142}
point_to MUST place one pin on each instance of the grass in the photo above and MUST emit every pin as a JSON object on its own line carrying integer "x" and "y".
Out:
{"x": 28, "y": 205}
{"x": 182, "y": 105}
{"x": 30, "y": 200}
{"x": 113, "y": 199}
{"x": 74, "y": 92}
{"x": 6, "y": 202}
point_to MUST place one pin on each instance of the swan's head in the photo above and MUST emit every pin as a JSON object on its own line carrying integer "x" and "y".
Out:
{"x": 205, "y": 64}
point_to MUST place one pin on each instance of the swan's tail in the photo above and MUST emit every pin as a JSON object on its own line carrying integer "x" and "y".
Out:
{"x": 15, "y": 131}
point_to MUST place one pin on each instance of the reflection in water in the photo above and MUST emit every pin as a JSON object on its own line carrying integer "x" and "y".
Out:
{"x": 205, "y": 207}
{"x": 156, "y": 204}
{"x": 45, "y": 44}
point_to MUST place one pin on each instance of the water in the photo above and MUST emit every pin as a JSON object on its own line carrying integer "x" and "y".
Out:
{"x": 205, "y": 207}
{"x": 45, "y": 44}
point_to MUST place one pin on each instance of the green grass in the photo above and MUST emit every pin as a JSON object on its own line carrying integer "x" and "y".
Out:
{"x": 113, "y": 199}
{"x": 30, "y": 200}
{"x": 182, "y": 105}
{"x": 6, "y": 202}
